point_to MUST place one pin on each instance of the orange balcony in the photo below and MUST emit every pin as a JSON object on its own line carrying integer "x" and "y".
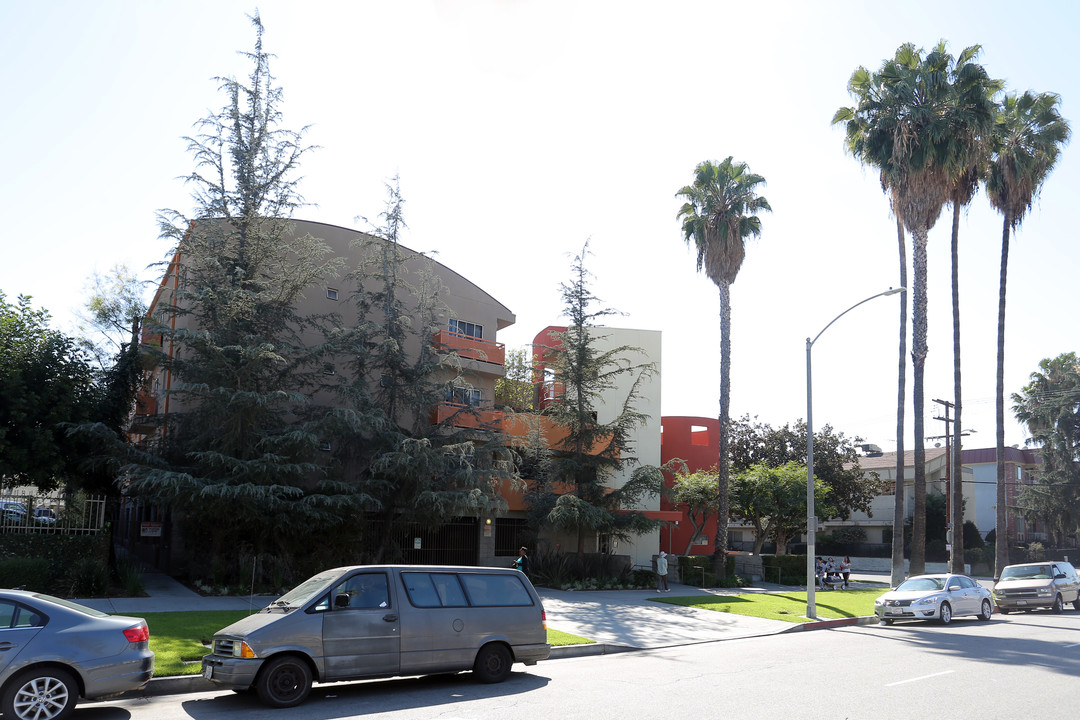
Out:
{"x": 477, "y": 418}
{"x": 520, "y": 427}
{"x": 470, "y": 347}
{"x": 146, "y": 405}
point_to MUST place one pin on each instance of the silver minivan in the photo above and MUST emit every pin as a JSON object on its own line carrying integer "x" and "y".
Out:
{"x": 1037, "y": 585}
{"x": 382, "y": 621}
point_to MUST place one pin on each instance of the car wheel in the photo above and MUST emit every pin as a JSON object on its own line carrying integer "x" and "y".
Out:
{"x": 492, "y": 663}
{"x": 987, "y": 610}
{"x": 45, "y": 694}
{"x": 886, "y": 621}
{"x": 1004, "y": 611}
{"x": 946, "y": 613}
{"x": 1058, "y": 605}
{"x": 284, "y": 682}
{"x": 1076, "y": 602}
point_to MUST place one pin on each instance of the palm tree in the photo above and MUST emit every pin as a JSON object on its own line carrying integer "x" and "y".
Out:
{"x": 903, "y": 124}
{"x": 973, "y": 95}
{"x": 1028, "y": 135}
{"x": 719, "y": 214}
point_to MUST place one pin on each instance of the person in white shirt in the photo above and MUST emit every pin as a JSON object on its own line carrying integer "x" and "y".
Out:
{"x": 661, "y": 573}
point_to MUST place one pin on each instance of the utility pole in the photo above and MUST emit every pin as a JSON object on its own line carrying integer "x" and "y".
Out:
{"x": 950, "y": 527}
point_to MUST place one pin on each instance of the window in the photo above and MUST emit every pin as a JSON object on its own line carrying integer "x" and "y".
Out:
{"x": 463, "y": 396}
{"x": 331, "y": 293}
{"x": 467, "y": 329}
{"x": 433, "y": 589}
{"x": 13, "y": 615}
{"x": 364, "y": 591}
{"x": 328, "y": 370}
{"x": 495, "y": 590}
{"x": 324, "y": 446}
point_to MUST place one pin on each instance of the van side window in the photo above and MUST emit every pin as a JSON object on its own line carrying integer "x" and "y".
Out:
{"x": 364, "y": 591}
{"x": 434, "y": 589}
{"x": 495, "y": 590}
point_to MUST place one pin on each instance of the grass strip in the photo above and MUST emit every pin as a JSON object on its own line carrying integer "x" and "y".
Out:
{"x": 788, "y": 606}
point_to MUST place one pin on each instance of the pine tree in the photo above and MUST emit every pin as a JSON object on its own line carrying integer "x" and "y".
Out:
{"x": 585, "y": 368}
{"x": 235, "y": 453}
{"x": 403, "y": 469}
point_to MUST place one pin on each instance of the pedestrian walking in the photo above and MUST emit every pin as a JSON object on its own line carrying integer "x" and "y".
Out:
{"x": 661, "y": 573}
{"x": 522, "y": 562}
{"x": 845, "y": 570}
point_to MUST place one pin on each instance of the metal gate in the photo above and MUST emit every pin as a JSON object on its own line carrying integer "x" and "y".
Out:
{"x": 455, "y": 543}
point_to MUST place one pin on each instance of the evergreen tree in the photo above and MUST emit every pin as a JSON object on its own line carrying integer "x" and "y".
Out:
{"x": 593, "y": 451}
{"x": 234, "y": 454}
{"x": 398, "y": 465}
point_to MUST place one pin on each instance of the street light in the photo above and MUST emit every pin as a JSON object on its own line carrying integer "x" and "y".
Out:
{"x": 811, "y": 585}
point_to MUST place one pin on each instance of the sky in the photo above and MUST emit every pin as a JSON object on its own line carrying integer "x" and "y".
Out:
{"x": 523, "y": 129}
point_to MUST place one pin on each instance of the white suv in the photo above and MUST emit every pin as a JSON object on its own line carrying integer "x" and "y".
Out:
{"x": 1037, "y": 585}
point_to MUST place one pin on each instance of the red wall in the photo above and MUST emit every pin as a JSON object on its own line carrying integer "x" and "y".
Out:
{"x": 700, "y": 450}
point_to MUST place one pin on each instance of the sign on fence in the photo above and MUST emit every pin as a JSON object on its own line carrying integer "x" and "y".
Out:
{"x": 150, "y": 529}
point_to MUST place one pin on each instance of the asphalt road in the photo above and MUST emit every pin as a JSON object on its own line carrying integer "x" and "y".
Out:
{"x": 1016, "y": 666}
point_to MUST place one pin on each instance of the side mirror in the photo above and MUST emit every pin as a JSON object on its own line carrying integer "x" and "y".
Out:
{"x": 954, "y": 587}
{"x": 1059, "y": 576}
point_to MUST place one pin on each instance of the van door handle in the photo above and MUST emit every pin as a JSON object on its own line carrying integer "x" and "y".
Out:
{"x": 7, "y": 646}
{"x": 389, "y": 618}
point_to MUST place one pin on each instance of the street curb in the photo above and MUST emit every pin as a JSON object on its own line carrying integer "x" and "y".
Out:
{"x": 827, "y": 624}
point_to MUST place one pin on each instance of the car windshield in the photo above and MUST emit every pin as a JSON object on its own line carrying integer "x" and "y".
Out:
{"x": 305, "y": 590}
{"x": 923, "y": 584}
{"x": 1027, "y": 572}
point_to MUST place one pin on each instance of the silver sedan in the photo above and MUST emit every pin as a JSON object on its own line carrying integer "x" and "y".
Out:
{"x": 53, "y": 651}
{"x": 934, "y": 597}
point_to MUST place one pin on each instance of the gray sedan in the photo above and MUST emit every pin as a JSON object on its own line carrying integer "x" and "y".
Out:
{"x": 934, "y": 597}
{"x": 53, "y": 651}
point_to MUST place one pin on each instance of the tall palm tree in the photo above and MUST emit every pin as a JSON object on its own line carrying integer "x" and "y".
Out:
{"x": 719, "y": 214}
{"x": 973, "y": 95}
{"x": 903, "y": 124}
{"x": 1029, "y": 133}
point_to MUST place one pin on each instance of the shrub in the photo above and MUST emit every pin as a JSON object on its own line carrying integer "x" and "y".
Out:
{"x": 87, "y": 578}
{"x": 28, "y": 572}
{"x": 1036, "y": 552}
{"x": 696, "y": 570}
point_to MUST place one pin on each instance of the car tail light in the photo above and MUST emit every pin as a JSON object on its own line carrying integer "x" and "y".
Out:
{"x": 139, "y": 633}
{"x": 543, "y": 618}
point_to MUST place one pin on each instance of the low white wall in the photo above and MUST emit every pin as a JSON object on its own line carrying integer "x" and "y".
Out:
{"x": 884, "y": 565}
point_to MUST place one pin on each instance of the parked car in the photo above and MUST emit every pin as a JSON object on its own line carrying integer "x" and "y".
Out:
{"x": 53, "y": 651}
{"x": 382, "y": 621}
{"x": 1037, "y": 585}
{"x": 934, "y": 597}
{"x": 44, "y": 516}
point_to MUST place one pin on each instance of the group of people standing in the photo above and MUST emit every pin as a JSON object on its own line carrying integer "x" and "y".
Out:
{"x": 831, "y": 573}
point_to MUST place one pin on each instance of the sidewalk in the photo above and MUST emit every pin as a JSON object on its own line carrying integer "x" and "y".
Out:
{"x": 617, "y": 620}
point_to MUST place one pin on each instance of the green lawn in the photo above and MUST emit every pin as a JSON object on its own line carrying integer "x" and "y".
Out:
{"x": 180, "y": 639}
{"x": 791, "y": 606}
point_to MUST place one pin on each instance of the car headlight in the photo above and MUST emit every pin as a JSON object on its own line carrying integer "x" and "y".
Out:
{"x": 1046, "y": 592}
{"x": 242, "y": 650}
{"x": 932, "y": 600}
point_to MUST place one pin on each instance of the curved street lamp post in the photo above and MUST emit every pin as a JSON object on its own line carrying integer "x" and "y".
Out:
{"x": 811, "y": 520}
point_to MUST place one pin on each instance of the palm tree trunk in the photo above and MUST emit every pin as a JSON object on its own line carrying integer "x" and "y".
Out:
{"x": 956, "y": 518}
{"x": 1001, "y": 538}
{"x": 918, "y": 364}
{"x": 723, "y": 466}
{"x": 901, "y": 397}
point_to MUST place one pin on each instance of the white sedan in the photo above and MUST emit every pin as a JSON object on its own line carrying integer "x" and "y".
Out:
{"x": 934, "y": 597}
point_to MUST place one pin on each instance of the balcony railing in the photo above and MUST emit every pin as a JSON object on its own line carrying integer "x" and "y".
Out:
{"x": 471, "y": 347}
{"x": 521, "y": 425}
